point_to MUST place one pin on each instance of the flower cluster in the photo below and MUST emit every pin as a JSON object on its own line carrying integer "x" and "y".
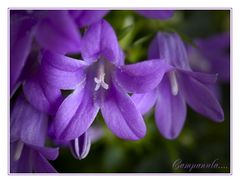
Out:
{"x": 56, "y": 97}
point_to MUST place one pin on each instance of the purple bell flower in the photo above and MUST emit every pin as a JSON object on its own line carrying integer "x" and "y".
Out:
{"x": 52, "y": 30}
{"x": 28, "y": 129}
{"x": 180, "y": 86}
{"x": 87, "y": 17}
{"x": 156, "y": 14}
{"x": 212, "y": 55}
{"x": 101, "y": 81}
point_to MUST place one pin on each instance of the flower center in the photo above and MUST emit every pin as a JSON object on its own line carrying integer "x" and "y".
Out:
{"x": 18, "y": 151}
{"x": 99, "y": 80}
{"x": 173, "y": 82}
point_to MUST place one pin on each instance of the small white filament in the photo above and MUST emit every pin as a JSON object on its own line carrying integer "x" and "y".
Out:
{"x": 100, "y": 79}
{"x": 18, "y": 151}
{"x": 173, "y": 82}
{"x": 87, "y": 142}
{"x": 76, "y": 146}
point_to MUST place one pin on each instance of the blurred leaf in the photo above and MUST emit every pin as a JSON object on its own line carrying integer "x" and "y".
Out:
{"x": 143, "y": 40}
{"x": 113, "y": 157}
{"x": 127, "y": 39}
{"x": 123, "y": 33}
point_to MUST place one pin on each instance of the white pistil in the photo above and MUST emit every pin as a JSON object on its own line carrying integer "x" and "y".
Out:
{"x": 173, "y": 82}
{"x": 100, "y": 79}
{"x": 18, "y": 151}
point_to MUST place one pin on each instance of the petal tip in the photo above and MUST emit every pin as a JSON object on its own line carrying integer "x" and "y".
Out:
{"x": 220, "y": 118}
{"x": 170, "y": 135}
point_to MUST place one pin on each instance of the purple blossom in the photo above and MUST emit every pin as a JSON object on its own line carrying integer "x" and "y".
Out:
{"x": 156, "y": 14}
{"x": 101, "y": 81}
{"x": 52, "y": 30}
{"x": 212, "y": 55}
{"x": 31, "y": 31}
{"x": 28, "y": 134}
{"x": 180, "y": 86}
{"x": 40, "y": 43}
{"x": 87, "y": 17}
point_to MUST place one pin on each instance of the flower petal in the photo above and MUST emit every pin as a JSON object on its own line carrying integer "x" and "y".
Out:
{"x": 21, "y": 35}
{"x": 87, "y": 17}
{"x": 141, "y": 77}
{"x": 75, "y": 114}
{"x": 41, "y": 164}
{"x": 220, "y": 42}
{"x": 121, "y": 115}
{"x": 221, "y": 65}
{"x": 144, "y": 102}
{"x": 200, "y": 98}
{"x": 47, "y": 152}
{"x": 62, "y": 72}
{"x": 214, "y": 53}
{"x": 100, "y": 41}
{"x": 48, "y": 98}
{"x": 27, "y": 123}
{"x": 201, "y": 77}
{"x": 23, "y": 164}
{"x": 58, "y": 32}
{"x": 170, "y": 47}
{"x": 170, "y": 113}
{"x": 156, "y": 14}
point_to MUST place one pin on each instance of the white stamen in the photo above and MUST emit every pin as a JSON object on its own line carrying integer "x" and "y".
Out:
{"x": 18, "y": 151}
{"x": 100, "y": 79}
{"x": 87, "y": 142}
{"x": 76, "y": 146}
{"x": 173, "y": 82}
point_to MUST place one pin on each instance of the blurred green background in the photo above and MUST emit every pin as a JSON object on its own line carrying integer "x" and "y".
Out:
{"x": 201, "y": 141}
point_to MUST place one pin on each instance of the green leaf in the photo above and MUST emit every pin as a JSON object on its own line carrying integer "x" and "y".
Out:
{"x": 142, "y": 40}
{"x": 125, "y": 31}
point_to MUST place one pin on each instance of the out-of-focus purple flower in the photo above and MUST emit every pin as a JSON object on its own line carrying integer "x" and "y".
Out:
{"x": 52, "y": 30}
{"x": 95, "y": 133}
{"x": 212, "y": 55}
{"x": 156, "y": 14}
{"x": 87, "y": 17}
{"x": 21, "y": 35}
{"x": 28, "y": 133}
{"x": 101, "y": 81}
{"x": 179, "y": 86}
{"x": 49, "y": 98}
